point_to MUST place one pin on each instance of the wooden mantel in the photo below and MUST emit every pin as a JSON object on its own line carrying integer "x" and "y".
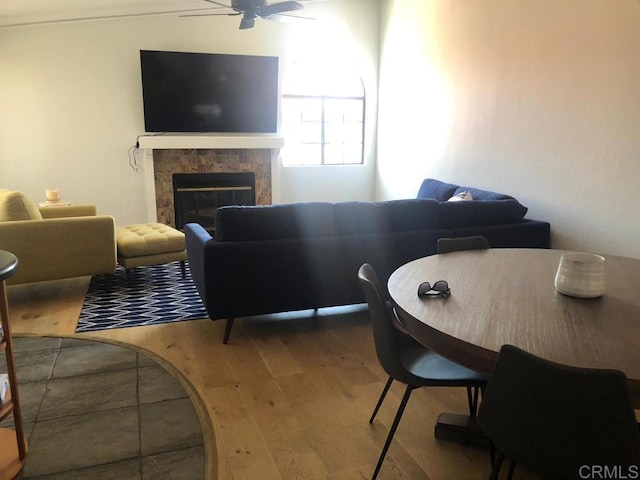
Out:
{"x": 176, "y": 141}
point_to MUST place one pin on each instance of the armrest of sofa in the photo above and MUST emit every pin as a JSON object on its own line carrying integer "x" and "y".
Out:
{"x": 60, "y": 247}
{"x": 196, "y": 239}
{"x": 68, "y": 211}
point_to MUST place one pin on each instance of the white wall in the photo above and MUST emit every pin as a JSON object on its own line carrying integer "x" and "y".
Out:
{"x": 349, "y": 30}
{"x": 71, "y": 100}
{"x": 536, "y": 98}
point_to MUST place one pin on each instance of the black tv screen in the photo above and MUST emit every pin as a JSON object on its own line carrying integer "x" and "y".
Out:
{"x": 204, "y": 92}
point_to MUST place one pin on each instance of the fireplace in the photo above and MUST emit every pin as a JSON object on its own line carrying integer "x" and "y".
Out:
{"x": 197, "y": 195}
{"x": 167, "y": 162}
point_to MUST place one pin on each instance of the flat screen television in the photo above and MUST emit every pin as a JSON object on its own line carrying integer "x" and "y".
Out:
{"x": 205, "y": 92}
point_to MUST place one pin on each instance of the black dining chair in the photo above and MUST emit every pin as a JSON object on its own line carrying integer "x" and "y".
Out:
{"x": 558, "y": 421}
{"x": 451, "y": 244}
{"x": 406, "y": 360}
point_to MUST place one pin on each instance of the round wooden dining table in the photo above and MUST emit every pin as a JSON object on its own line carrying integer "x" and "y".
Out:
{"x": 507, "y": 296}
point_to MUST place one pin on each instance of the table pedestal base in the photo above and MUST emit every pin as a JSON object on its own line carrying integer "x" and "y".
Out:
{"x": 460, "y": 429}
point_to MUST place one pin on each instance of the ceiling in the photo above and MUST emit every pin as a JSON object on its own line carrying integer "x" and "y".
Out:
{"x": 26, "y": 12}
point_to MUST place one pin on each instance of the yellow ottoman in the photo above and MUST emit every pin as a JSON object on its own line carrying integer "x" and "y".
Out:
{"x": 149, "y": 244}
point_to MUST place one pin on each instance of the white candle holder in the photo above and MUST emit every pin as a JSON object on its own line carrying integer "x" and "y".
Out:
{"x": 580, "y": 275}
{"x": 52, "y": 195}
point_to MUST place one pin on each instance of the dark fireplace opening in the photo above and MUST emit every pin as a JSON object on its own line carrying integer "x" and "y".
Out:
{"x": 197, "y": 195}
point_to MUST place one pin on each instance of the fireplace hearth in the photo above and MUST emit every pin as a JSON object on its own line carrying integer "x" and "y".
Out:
{"x": 197, "y": 195}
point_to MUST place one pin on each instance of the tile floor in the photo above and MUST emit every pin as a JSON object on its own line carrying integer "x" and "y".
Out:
{"x": 97, "y": 411}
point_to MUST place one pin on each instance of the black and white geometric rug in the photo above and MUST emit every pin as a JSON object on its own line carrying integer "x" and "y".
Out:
{"x": 157, "y": 294}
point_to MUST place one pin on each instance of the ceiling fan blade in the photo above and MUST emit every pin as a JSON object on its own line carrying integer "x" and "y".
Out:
{"x": 234, "y": 14}
{"x": 219, "y": 6}
{"x": 280, "y": 7}
{"x": 226, "y": 5}
{"x": 286, "y": 18}
{"x": 219, "y": 3}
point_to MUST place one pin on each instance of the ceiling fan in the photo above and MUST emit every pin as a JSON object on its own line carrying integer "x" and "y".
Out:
{"x": 252, "y": 9}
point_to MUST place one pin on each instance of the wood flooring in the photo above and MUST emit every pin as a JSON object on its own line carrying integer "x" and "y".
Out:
{"x": 288, "y": 398}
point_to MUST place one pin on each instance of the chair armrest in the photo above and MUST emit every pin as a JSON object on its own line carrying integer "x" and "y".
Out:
{"x": 60, "y": 247}
{"x": 68, "y": 211}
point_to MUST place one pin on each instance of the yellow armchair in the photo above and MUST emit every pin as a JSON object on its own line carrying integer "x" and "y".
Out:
{"x": 55, "y": 242}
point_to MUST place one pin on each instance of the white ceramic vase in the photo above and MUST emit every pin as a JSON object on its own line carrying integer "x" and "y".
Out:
{"x": 580, "y": 275}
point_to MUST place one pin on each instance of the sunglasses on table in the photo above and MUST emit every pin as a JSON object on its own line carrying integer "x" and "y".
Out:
{"x": 438, "y": 289}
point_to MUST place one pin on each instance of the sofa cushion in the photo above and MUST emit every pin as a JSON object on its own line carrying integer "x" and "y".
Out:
{"x": 414, "y": 214}
{"x": 476, "y": 213}
{"x": 478, "y": 194}
{"x": 17, "y": 206}
{"x": 437, "y": 190}
{"x": 274, "y": 222}
{"x": 363, "y": 218}
{"x": 315, "y": 219}
{"x": 360, "y": 218}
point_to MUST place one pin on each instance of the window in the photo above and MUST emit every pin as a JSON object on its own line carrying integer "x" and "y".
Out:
{"x": 322, "y": 115}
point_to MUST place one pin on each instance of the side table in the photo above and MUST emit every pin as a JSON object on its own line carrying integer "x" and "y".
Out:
{"x": 54, "y": 204}
{"x": 13, "y": 446}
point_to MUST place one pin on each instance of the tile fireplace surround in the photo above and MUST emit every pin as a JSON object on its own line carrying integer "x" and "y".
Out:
{"x": 166, "y": 162}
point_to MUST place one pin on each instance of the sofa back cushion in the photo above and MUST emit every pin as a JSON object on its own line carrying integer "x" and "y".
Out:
{"x": 476, "y": 213}
{"x": 17, "y": 206}
{"x": 437, "y": 190}
{"x": 411, "y": 215}
{"x": 318, "y": 219}
{"x": 362, "y": 218}
{"x": 441, "y": 191}
{"x": 353, "y": 218}
{"x": 274, "y": 222}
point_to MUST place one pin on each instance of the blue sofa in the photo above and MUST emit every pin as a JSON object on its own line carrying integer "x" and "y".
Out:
{"x": 498, "y": 217}
{"x": 277, "y": 258}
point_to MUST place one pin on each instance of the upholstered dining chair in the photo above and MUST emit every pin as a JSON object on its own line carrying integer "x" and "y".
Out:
{"x": 405, "y": 359}
{"x": 451, "y": 244}
{"x": 556, "y": 420}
